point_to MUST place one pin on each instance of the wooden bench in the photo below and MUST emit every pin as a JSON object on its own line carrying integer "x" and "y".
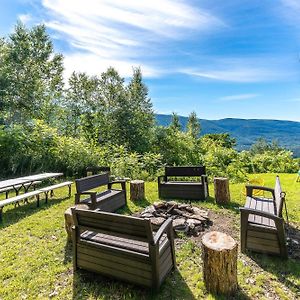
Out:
{"x": 36, "y": 193}
{"x": 169, "y": 187}
{"x": 122, "y": 247}
{"x": 262, "y": 224}
{"x": 109, "y": 200}
{"x": 51, "y": 188}
{"x": 18, "y": 198}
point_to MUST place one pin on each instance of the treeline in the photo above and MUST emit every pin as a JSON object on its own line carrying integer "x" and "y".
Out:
{"x": 47, "y": 125}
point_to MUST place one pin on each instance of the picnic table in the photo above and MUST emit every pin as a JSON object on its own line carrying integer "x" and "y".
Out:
{"x": 26, "y": 182}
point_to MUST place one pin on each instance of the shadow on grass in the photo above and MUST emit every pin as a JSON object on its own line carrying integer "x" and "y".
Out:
{"x": 88, "y": 285}
{"x": 287, "y": 271}
{"x": 12, "y": 215}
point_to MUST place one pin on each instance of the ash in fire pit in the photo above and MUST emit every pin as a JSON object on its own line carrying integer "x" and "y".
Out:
{"x": 186, "y": 218}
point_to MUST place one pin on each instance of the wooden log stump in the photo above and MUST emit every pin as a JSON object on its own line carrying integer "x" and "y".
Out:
{"x": 221, "y": 187}
{"x": 69, "y": 219}
{"x": 219, "y": 255}
{"x": 137, "y": 189}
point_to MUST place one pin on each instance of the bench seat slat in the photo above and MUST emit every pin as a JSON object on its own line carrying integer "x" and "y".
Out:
{"x": 56, "y": 186}
{"x": 19, "y": 198}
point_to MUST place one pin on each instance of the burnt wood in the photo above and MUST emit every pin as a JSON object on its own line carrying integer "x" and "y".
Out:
{"x": 107, "y": 200}
{"x": 122, "y": 247}
{"x": 177, "y": 183}
{"x": 262, "y": 224}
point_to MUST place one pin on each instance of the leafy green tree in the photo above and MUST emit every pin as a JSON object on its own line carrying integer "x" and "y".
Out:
{"x": 30, "y": 75}
{"x": 175, "y": 122}
{"x": 142, "y": 117}
{"x": 193, "y": 125}
{"x": 220, "y": 139}
{"x": 78, "y": 101}
{"x": 262, "y": 145}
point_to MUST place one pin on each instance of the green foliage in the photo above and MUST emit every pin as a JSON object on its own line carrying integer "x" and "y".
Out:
{"x": 175, "y": 123}
{"x": 30, "y": 75}
{"x": 193, "y": 125}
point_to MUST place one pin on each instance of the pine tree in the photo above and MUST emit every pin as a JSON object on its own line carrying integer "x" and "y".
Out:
{"x": 193, "y": 125}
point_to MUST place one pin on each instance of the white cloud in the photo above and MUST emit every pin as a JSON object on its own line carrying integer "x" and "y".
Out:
{"x": 243, "y": 70}
{"x": 127, "y": 32}
{"x": 25, "y": 18}
{"x": 238, "y": 97}
{"x": 95, "y": 65}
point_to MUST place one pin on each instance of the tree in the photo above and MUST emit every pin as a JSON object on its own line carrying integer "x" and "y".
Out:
{"x": 78, "y": 100}
{"x": 220, "y": 139}
{"x": 175, "y": 122}
{"x": 142, "y": 121}
{"x": 193, "y": 125}
{"x": 30, "y": 74}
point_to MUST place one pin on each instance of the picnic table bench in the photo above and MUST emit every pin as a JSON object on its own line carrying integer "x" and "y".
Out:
{"x": 262, "y": 224}
{"x": 26, "y": 182}
{"x": 122, "y": 247}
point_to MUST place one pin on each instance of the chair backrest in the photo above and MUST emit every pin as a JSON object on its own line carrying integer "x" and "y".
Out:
{"x": 113, "y": 224}
{"x": 91, "y": 182}
{"x": 185, "y": 171}
{"x": 96, "y": 170}
{"x": 279, "y": 197}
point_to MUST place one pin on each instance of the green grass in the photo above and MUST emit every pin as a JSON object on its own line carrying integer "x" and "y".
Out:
{"x": 36, "y": 260}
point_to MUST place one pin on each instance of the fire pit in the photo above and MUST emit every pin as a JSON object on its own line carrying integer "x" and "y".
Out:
{"x": 188, "y": 219}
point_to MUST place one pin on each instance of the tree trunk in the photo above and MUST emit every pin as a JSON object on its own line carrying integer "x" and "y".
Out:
{"x": 69, "y": 219}
{"x": 221, "y": 186}
{"x": 137, "y": 190}
{"x": 219, "y": 255}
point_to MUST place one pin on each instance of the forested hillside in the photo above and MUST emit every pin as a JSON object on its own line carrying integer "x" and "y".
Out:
{"x": 247, "y": 132}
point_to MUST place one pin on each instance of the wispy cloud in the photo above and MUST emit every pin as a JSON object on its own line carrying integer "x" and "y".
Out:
{"x": 25, "y": 18}
{"x": 242, "y": 70}
{"x": 238, "y": 97}
{"x": 121, "y": 31}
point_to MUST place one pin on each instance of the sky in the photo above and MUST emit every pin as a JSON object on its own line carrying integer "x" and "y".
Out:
{"x": 221, "y": 59}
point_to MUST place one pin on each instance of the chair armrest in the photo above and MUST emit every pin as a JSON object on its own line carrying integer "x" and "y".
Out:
{"x": 92, "y": 194}
{"x": 121, "y": 181}
{"x": 165, "y": 227}
{"x": 250, "y": 188}
{"x": 247, "y": 211}
{"x": 160, "y": 178}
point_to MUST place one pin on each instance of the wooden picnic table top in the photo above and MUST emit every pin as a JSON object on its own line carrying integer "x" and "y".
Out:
{"x": 27, "y": 179}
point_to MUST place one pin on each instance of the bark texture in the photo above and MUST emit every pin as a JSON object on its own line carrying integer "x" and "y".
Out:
{"x": 219, "y": 254}
{"x": 137, "y": 190}
{"x": 221, "y": 186}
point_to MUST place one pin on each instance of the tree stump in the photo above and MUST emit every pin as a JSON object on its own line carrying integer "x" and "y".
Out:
{"x": 219, "y": 254}
{"x": 137, "y": 189}
{"x": 69, "y": 219}
{"x": 221, "y": 186}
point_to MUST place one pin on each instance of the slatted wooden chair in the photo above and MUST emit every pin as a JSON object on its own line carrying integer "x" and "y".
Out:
{"x": 169, "y": 187}
{"x": 122, "y": 247}
{"x": 262, "y": 223}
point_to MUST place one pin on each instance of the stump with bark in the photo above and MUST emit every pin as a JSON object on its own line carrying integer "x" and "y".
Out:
{"x": 69, "y": 219}
{"x": 219, "y": 254}
{"x": 137, "y": 189}
{"x": 221, "y": 187}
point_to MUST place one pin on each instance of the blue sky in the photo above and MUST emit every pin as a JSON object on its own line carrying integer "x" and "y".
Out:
{"x": 221, "y": 59}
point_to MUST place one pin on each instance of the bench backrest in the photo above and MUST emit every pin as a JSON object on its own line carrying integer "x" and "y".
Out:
{"x": 91, "y": 182}
{"x": 185, "y": 171}
{"x": 113, "y": 224}
{"x": 279, "y": 197}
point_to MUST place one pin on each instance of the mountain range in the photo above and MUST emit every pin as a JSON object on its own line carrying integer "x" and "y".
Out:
{"x": 247, "y": 131}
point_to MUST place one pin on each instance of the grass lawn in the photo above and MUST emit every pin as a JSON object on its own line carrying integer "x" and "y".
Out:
{"x": 36, "y": 260}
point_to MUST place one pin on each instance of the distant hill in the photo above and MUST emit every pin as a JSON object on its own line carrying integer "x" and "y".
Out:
{"x": 246, "y": 132}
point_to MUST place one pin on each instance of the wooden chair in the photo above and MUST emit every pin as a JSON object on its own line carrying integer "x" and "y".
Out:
{"x": 262, "y": 224}
{"x": 108, "y": 200}
{"x": 169, "y": 187}
{"x": 122, "y": 247}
